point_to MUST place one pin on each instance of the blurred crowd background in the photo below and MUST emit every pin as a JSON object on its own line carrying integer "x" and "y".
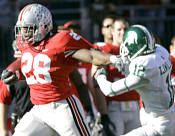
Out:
{"x": 157, "y": 15}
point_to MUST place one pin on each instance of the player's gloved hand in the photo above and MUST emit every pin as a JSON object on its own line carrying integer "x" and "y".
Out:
{"x": 108, "y": 126}
{"x": 99, "y": 72}
{"x": 8, "y": 77}
{"x": 117, "y": 62}
{"x": 97, "y": 128}
{"x": 15, "y": 119}
{"x": 90, "y": 118}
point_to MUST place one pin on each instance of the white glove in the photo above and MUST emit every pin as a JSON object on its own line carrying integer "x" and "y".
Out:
{"x": 99, "y": 72}
{"x": 117, "y": 62}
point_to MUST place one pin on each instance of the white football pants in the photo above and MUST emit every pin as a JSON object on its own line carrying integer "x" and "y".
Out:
{"x": 163, "y": 125}
{"x": 60, "y": 118}
{"x": 124, "y": 115}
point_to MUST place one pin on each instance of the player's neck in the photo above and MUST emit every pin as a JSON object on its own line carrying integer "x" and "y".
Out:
{"x": 107, "y": 40}
{"x": 114, "y": 43}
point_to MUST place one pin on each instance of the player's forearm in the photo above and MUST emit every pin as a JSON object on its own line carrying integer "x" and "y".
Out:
{"x": 92, "y": 56}
{"x": 100, "y": 58}
{"x": 108, "y": 87}
{"x": 3, "y": 116}
{"x": 121, "y": 86}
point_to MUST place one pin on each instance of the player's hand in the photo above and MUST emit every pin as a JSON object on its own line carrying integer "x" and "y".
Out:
{"x": 117, "y": 62}
{"x": 97, "y": 128}
{"x": 99, "y": 72}
{"x": 8, "y": 77}
{"x": 108, "y": 126}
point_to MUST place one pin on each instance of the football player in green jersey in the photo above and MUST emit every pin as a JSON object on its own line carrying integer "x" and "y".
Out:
{"x": 149, "y": 73}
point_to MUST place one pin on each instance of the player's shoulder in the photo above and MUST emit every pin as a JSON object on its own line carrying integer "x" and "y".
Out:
{"x": 149, "y": 64}
{"x": 66, "y": 36}
{"x": 152, "y": 59}
{"x": 144, "y": 65}
{"x": 146, "y": 61}
{"x": 62, "y": 34}
{"x": 60, "y": 38}
{"x": 162, "y": 50}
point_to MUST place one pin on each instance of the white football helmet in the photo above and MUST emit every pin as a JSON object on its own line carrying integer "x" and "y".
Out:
{"x": 37, "y": 21}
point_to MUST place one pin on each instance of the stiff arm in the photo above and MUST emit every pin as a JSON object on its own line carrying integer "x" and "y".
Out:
{"x": 121, "y": 86}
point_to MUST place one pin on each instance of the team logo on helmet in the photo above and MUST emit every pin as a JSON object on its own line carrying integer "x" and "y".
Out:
{"x": 131, "y": 39}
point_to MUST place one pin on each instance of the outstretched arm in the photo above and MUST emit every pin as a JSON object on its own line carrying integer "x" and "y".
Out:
{"x": 118, "y": 87}
{"x": 92, "y": 56}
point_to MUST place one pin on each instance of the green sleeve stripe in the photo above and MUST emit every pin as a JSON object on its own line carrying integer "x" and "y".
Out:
{"x": 126, "y": 85}
{"x": 112, "y": 92}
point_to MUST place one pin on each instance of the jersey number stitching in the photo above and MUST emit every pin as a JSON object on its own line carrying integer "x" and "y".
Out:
{"x": 36, "y": 69}
{"x": 139, "y": 70}
{"x": 75, "y": 36}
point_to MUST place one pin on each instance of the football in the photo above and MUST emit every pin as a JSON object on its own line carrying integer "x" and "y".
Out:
{"x": 14, "y": 66}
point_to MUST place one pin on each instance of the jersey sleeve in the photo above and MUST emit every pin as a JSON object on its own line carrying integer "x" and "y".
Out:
{"x": 173, "y": 66}
{"x": 68, "y": 43}
{"x": 73, "y": 41}
{"x": 5, "y": 97}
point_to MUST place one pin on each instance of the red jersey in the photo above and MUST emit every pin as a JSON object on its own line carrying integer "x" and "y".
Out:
{"x": 173, "y": 66}
{"x": 84, "y": 69}
{"x": 5, "y": 97}
{"x": 75, "y": 91}
{"x": 114, "y": 74}
{"x": 47, "y": 68}
{"x": 173, "y": 69}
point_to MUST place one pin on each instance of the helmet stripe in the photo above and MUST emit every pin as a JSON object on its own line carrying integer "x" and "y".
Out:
{"x": 138, "y": 53}
{"x": 23, "y": 11}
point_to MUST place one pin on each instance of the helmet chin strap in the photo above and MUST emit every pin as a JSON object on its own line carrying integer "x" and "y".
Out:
{"x": 139, "y": 52}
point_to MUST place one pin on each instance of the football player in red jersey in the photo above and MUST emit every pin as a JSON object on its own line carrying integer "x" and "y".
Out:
{"x": 172, "y": 55}
{"x": 123, "y": 110}
{"x": 46, "y": 63}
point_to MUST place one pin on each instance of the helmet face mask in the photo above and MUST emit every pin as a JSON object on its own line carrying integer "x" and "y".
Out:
{"x": 26, "y": 34}
{"x": 34, "y": 24}
{"x": 136, "y": 41}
